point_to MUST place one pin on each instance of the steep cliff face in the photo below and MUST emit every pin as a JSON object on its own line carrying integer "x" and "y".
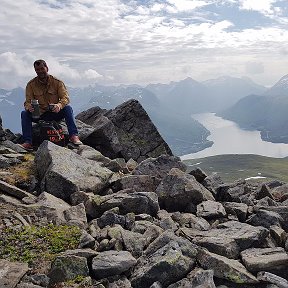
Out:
{"x": 77, "y": 218}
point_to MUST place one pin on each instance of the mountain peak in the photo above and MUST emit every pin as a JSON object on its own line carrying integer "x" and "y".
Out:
{"x": 280, "y": 88}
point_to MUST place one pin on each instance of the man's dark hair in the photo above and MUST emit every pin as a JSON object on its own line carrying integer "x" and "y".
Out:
{"x": 39, "y": 62}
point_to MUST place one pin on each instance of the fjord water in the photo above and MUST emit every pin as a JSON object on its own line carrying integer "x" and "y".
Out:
{"x": 229, "y": 138}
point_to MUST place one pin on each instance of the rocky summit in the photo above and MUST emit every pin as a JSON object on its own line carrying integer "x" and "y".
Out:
{"x": 122, "y": 211}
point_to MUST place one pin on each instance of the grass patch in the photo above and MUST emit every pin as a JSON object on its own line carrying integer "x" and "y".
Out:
{"x": 235, "y": 166}
{"x": 34, "y": 244}
{"x": 21, "y": 172}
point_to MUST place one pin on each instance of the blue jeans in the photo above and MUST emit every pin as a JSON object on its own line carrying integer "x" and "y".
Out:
{"x": 65, "y": 113}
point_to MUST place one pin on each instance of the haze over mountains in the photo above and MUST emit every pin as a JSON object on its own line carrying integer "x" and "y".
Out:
{"x": 266, "y": 112}
{"x": 169, "y": 105}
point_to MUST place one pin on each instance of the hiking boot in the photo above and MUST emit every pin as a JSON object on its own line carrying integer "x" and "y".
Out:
{"x": 75, "y": 140}
{"x": 27, "y": 146}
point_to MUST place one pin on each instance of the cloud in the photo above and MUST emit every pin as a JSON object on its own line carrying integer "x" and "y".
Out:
{"x": 92, "y": 74}
{"x": 135, "y": 40}
{"x": 254, "y": 68}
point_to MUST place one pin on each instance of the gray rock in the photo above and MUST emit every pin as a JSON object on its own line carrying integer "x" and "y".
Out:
{"x": 265, "y": 218}
{"x": 189, "y": 220}
{"x": 212, "y": 183}
{"x": 127, "y": 201}
{"x": 92, "y": 154}
{"x": 197, "y": 278}
{"x": 199, "y": 174}
{"x": 13, "y": 190}
{"x": 187, "y": 248}
{"x": 86, "y": 253}
{"x": 166, "y": 222}
{"x": 109, "y": 218}
{"x": 156, "y": 284}
{"x": 266, "y": 201}
{"x": 6, "y": 162}
{"x": 281, "y": 210}
{"x": 65, "y": 268}
{"x": 245, "y": 235}
{"x": 271, "y": 278}
{"x": 132, "y": 241}
{"x": 238, "y": 209}
{"x": 37, "y": 279}
{"x": 278, "y": 234}
{"x": 11, "y": 273}
{"x": 110, "y": 263}
{"x": 13, "y": 146}
{"x": 264, "y": 192}
{"x": 28, "y": 285}
{"x": 138, "y": 183}
{"x": 76, "y": 213}
{"x": 63, "y": 172}
{"x": 280, "y": 193}
{"x": 160, "y": 166}
{"x": 231, "y": 192}
{"x": 225, "y": 268}
{"x": 178, "y": 190}
{"x": 265, "y": 259}
{"x": 166, "y": 265}
{"x": 86, "y": 240}
{"x": 149, "y": 230}
{"x": 210, "y": 209}
{"x": 123, "y": 282}
{"x": 125, "y": 131}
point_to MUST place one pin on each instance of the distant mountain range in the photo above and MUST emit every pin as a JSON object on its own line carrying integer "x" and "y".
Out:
{"x": 267, "y": 112}
{"x": 169, "y": 105}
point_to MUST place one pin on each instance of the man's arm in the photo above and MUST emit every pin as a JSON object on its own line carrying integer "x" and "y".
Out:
{"x": 28, "y": 97}
{"x": 63, "y": 95}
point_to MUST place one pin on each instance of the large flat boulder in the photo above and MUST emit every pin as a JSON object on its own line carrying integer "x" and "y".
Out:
{"x": 11, "y": 273}
{"x": 225, "y": 268}
{"x": 63, "y": 172}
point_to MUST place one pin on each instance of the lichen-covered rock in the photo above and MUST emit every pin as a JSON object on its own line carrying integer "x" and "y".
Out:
{"x": 160, "y": 166}
{"x": 225, "y": 268}
{"x": 265, "y": 259}
{"x": 125, "y": 131}
{"x": 110, "y": 263}
{"x": 166, "y": 265}
{"x": 63, "y": 172}
{"x": 68, "y": 267}
{"x": 178, "y": 191}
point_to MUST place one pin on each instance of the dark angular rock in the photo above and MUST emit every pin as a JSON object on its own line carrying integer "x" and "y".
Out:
{"x": 238, "y": 209}
{"x": 138, "y": 183}
{"x": 178, "y": 190}
{"x": 199, "y": 174}
{"x": 225, "y": 268}
{"x": 125, "y": 132}
{"x": 265, "y": 218}
{"x": 264, "y": 192}
{"x": 160, "y": 166}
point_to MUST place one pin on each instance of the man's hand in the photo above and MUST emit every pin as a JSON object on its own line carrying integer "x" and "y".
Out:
{"x": 30, "y": 108}
{"x": 56, "y": 108}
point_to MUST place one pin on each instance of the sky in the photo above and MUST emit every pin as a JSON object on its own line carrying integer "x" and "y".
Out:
{"x": 114, "y": 42}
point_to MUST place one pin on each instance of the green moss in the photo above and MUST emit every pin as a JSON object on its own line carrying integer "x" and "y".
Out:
{"x": 28, "y": 244}
{"x": 234, "y": 278}
{"x": 97, "y": 200}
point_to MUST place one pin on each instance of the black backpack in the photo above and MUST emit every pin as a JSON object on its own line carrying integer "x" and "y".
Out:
{"x": 52, "y": 131}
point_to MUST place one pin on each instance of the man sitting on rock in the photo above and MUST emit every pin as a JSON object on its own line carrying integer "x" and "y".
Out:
{"x": 53, "y": 100}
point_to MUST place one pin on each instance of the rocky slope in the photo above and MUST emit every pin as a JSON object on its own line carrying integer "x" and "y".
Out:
{"x": 114, "y": 214}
